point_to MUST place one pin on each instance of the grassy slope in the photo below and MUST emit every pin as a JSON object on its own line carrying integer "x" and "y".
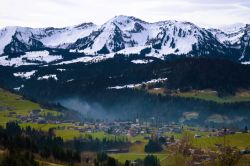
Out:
{"x": 70, "y": 134}
{"x": 10, "y": 102}
{"x": 241, "y": 141}
{"x": 212, "y": 96}
{"x": 136, "y": 151}
{"x": 45, "y": 127}
{"x": 208, "y": 95}
{"x": 45, "y": 163}
{"x": 122, "y": 157}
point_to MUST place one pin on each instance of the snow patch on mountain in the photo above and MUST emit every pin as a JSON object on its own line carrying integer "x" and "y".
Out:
{"x": 46, "y": 77}
{"x": 245, "y": 63}
{"x": 30, "y": 58}
{"x": 16, "y": 62}
{"x": 18, "y": 88}
{"x": 131, "y": 50}
{"x": 139, "y": 84}
{"x": 42, "y": 56}
{"x": 82, "y": 59}
{"x": 70, "y": 80}
{"x": 139, "y": 61}
{"x": 26, "y": 75}
{"x": 88, "y": 59}
{"x": 61, "y": 70}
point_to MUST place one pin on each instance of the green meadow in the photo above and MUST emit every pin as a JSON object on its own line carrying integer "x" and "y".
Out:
{"x": 207, "y": 95}
{"x": 239, "y": 140}
{"x": 12, "y": 106}
{"x": 243, "y": 96}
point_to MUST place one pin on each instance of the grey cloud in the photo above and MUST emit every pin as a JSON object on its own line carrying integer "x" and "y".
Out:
{"x": 51, "y": 12}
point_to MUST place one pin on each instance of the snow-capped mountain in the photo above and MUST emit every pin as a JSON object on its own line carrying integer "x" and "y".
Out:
{"x": 22, "y": 39}
{"x": 236, "y": 36}
{"x": 231, "y": 34}
{"x": 130, "y": 35}
{"x": 233, "y": 28}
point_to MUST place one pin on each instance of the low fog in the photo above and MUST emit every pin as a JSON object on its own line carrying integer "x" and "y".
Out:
{"x": 164, "y": 112}
{"x": 92, "y": 110}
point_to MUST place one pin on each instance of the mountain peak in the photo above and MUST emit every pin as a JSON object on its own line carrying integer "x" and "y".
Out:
{"x": 126, "y": 19}
{"x": 232, "y": 28}
{"x": 84, "y": 25}
{"x": 126, "y": 35}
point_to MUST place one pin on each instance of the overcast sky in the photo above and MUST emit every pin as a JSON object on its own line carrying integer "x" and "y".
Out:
{"x": 58, "y": 13}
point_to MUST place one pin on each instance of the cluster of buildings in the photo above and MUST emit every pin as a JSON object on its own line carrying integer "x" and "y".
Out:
{"x": 33, "y": 117}
{"x": 128, "y": 128}
{"x": 124, "y": 128}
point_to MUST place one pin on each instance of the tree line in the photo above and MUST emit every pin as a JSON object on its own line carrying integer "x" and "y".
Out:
{"x": 45, "y": 144}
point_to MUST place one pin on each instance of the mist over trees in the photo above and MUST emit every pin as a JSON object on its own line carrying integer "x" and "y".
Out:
{"x": 89, "y": 85}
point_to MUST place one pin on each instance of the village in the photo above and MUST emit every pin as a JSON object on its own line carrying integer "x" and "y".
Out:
{"x": 131, "y": 128}
{"x": 135, "y": 133}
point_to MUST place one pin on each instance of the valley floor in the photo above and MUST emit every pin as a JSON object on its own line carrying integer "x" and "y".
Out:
{"x": 14, "y": 107}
